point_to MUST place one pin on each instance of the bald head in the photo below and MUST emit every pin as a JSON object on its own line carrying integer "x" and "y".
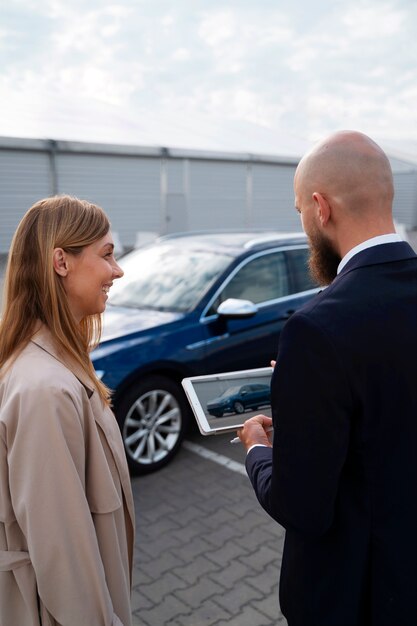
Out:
{"x": 351, "y": 170}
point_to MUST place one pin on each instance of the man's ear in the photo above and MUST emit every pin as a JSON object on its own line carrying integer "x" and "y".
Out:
{"x": 60, "y": 262}
{"x": 323, "y": 208}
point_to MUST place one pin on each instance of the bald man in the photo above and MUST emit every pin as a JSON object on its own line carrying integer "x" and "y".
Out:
{"x": 341, "y": 474}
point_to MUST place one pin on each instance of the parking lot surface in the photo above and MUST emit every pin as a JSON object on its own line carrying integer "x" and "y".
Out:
{"x": 206, "y": 553}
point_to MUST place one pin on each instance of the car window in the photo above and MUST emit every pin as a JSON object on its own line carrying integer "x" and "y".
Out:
{"x": 261, "y": 279}
{"x": 166, "y": 277}
{"x": 298, "y": 264}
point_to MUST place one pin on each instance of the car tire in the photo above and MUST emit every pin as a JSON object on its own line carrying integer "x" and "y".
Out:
{"x": 153, "y": 416}
{"x": 238, "y": 407}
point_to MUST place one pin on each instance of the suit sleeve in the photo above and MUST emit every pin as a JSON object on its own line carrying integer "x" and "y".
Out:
{"x": 297, "y": 481}
{"x": 47, "y": 464}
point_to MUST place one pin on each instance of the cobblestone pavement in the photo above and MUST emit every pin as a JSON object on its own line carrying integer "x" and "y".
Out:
{"x": 206, "y": 553}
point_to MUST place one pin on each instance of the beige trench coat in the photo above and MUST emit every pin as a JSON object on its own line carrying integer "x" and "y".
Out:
{"x": 66, "y": 508}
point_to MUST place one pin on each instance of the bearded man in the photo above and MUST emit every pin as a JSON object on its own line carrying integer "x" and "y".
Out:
{"x": 341, "y": 473}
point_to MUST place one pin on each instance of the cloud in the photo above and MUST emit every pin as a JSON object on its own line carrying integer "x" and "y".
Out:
{"x": 193, "y": 68}
{"x": 374, "y": 20}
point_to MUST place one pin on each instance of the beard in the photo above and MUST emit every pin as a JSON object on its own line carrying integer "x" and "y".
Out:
{"x": 324, "y": 259}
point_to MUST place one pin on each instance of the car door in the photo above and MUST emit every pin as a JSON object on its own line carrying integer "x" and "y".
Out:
{"x": 252, "y": 342}
{"x": 261, "y": 395}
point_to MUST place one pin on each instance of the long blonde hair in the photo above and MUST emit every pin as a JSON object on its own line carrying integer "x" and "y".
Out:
{"x": 33, "y": 291}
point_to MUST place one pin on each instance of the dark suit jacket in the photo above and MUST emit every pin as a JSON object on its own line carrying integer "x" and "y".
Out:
{"x": 341, "y": 477}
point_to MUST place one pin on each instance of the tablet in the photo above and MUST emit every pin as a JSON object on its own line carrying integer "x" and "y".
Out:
{"x": 222, "y": 402}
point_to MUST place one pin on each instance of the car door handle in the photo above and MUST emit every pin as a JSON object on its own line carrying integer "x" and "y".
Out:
{"x": 287, "y": 314}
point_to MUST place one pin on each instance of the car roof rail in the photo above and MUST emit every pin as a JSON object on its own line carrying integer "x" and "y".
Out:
{"x": 278, "y": 238}
{"x": 213, "y": 231}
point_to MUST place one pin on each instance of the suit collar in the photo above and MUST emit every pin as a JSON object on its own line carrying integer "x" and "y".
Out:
{"x": 383, "y": 253}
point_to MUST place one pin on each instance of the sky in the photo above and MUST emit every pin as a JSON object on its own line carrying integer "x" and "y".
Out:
{"x": 257, "y": 76}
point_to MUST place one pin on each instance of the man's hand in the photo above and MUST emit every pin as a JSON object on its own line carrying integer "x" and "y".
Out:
{"x": 254, "y": 431}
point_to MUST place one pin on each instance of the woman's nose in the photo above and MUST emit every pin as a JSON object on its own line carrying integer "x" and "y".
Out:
{"x": 117, "y": 271}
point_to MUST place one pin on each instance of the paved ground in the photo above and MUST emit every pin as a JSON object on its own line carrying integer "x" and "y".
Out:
{"x": 206, "y": 553}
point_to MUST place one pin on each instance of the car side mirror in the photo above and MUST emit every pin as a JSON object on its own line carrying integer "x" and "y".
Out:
{"x": 234, "y": 308}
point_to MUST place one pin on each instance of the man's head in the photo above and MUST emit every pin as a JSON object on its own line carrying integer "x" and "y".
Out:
{"x": 343, "y": 192}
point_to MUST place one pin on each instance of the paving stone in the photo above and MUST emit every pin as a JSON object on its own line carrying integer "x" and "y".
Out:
{"x": 140, "y": 577}
{"x": 140, "y": 601}
{"x": 165, "y": 524}
{"x": 267, "y": 580}
{"x": 252, "y": 521}
{"x": 209, "y": 614}
{"x": 163, "y": 613}
{"x": 227, "y": 553}
{"x": 196, "y": 594}
{"x": 158, "y": 566}
{"x": 220, "y": 536}
{"x": 221, "y": 517}
{"x": 260, "y": 558}
{"x": 261, "y": 536}
{"x": 248, "y": 617}
{"x": 187, "y": 532}
{"x": 194, "y": 548}
{"x": 231, "y": 575}
{"x": 198, "y": 568}
{"x": 162, "y": 587}
{"x": 269, "y": 605}
{"x": 158, "y": 546}
{"x": 239, "y": 596}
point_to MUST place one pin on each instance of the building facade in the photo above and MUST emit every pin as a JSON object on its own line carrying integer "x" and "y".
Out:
{"x": 148, "y": 191}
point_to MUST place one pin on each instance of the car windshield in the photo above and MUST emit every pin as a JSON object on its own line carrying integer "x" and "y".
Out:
{"x": 166, "y": 277}
{"x": 231, "y": 391}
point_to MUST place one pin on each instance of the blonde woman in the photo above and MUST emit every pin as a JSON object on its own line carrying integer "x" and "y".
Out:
{"x": 66, "y": 510}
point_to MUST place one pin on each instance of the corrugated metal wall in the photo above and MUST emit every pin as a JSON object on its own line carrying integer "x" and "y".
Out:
{"x": 25, "y": 177}
{"x": 217, "y": 195}
{"x": 157, "y": 190}
{"x": 128, "y": 188}
{"x": 273, "y": 197}
{"x": 405, "y": 198}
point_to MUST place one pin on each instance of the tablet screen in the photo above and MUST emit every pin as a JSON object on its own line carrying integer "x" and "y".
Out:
{"x": 223, "y": 402}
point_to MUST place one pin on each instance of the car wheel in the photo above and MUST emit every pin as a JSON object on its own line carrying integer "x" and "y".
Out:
{"x": 238, "y": 407}
{"x": 153, "y": 417}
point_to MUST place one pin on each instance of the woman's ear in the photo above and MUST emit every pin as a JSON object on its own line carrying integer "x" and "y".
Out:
{"x": 323, "y": 208}
{"x": 60, "y": 262}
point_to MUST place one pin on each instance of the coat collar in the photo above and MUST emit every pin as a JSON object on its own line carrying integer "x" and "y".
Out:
{"x": 44, "y": 340}
{"x": 383, "y": 253}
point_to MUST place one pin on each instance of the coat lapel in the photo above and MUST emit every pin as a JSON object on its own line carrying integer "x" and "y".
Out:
{"x": 103, "y": 416}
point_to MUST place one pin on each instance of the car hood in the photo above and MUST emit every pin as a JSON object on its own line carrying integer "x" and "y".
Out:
{"x": 120, "y": 321}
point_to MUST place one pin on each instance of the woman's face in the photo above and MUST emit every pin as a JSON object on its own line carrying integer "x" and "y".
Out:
{"x": 89, "y": 277}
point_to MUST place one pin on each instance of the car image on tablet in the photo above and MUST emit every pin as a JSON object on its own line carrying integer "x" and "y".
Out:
{"x": 239, "y": 398}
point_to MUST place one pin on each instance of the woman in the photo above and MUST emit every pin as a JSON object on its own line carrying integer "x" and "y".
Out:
{"x": 66, "y": 510}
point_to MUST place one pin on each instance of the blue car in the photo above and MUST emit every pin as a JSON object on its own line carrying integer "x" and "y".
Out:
{"x": 190, "y": 305}
{"x": 240, "y": 398}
